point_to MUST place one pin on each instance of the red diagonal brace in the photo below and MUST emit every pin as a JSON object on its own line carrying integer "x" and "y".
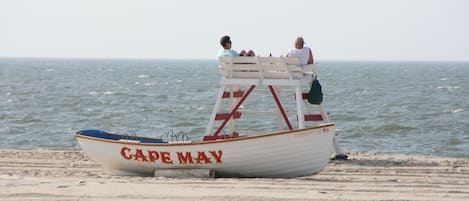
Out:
{"x": 234, "y": 110}
{"x": 279, "y": 105}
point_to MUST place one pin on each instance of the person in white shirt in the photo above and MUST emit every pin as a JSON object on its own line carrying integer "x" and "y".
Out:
{"x": 306, "y": 57}
{"x": 303, "y": 53}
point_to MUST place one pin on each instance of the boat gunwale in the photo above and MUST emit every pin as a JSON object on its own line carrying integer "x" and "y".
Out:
{"x": 205, "y": 142}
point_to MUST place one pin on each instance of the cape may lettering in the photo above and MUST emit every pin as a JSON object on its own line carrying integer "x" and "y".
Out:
{"x": 153, "y": 156}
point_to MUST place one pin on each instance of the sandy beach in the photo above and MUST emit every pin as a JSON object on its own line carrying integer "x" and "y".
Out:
{"x": 68, "y": 174}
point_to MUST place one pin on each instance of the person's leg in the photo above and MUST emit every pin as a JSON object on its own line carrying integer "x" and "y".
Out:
{"x": 250, "y": 53}
{"x": 242, "y": 53}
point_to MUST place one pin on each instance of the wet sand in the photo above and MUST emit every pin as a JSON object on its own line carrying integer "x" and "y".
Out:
{"x": 68, "y": 174}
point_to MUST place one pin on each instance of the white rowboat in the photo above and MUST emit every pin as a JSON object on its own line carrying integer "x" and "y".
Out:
{"x": 285, "y": 154}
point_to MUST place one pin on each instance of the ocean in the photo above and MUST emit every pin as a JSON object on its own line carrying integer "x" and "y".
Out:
{"x": 377, "y": 106}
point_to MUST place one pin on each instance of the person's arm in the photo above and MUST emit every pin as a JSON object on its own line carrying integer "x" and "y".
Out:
{"x": 233, "y": 53}
{"x": 310, "y": 60}
{"x": 288, "y": 53}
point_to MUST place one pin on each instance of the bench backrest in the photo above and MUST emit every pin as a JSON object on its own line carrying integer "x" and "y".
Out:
{"x": 262, "y": 67}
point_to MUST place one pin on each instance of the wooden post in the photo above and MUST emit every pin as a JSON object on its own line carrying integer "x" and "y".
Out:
{"x": 216, "y": 108}
{"x": 299, "y": 107}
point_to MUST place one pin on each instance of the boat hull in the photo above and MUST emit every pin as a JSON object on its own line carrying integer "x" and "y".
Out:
{"x": 293, "y": 153}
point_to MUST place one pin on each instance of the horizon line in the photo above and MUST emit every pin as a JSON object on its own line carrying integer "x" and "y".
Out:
{"x": 216, "y": 58}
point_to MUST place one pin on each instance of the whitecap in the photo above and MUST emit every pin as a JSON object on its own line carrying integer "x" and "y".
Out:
{"x": 452, "y": 88}
{"x": 457, "y": 110}
{"x": 50, "y": 70}
{"x": 109, "y": 93}
{"x": 143, "y": 76}
{"x": 93, "y": 93}
{"x": 444, "y": 78}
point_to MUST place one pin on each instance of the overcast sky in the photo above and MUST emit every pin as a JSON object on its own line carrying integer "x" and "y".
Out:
{"x": 191, "y": 29}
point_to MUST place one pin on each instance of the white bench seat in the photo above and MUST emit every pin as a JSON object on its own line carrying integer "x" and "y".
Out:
{"x": 264, "y": 68}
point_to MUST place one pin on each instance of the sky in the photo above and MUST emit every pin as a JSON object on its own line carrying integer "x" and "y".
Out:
{"x": 391, "y": 30}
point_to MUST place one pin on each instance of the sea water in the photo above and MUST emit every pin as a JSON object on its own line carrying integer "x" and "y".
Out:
{"x": 378, "y": 107}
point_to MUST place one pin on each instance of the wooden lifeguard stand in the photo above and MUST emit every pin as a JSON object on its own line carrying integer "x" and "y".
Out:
{"x": 270, "y": 72}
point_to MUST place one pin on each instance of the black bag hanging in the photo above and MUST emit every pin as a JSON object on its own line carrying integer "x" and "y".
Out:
{"x": 315, "y": 93}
